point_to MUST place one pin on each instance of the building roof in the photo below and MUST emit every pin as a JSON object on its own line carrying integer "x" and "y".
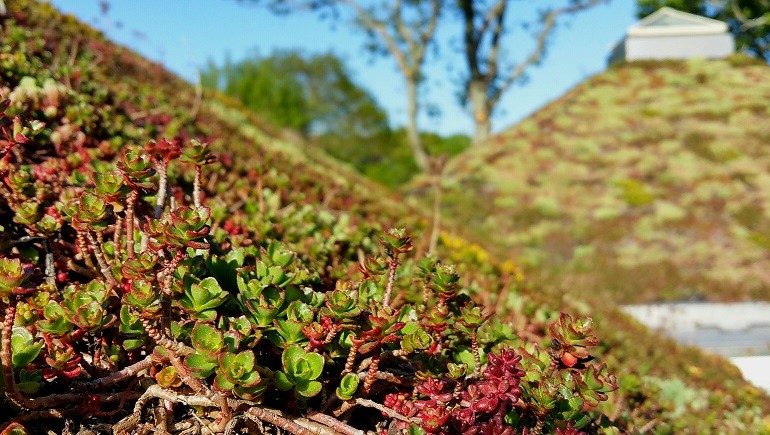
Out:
{"x": 667, "y": 21}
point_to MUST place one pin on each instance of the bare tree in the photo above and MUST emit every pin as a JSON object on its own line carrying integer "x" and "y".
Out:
{"x": 404, "y": 29}
{"x": 489, "y": 76}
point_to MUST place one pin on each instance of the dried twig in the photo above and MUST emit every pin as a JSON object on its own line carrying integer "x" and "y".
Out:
{"x": 103, "y": 266}
{"x": 118, "y": 376}
{"x": 334, "y": 424}
{"x": 384, "y": 409}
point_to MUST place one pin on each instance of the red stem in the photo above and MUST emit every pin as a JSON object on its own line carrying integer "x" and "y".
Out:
{"x": 351, "y": 359}
{"x": 130, "y": 205}
{"x": 371, "y": 376}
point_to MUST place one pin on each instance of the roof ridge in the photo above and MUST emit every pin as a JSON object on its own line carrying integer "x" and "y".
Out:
{"x": 685, "y": 16}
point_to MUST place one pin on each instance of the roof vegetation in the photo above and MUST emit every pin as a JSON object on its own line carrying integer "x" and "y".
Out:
{"x": 165, "y": 249}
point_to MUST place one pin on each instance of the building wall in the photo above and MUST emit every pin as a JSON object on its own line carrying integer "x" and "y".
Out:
{"x": 679, "y": 46}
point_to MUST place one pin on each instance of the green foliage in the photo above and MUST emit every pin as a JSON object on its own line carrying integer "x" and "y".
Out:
{"x": 646, "y": 7}
{"x": 84, "y": 305}
{"x": 300, "y": 372}
{"x": 311, "y": 94}
{"x": 635, "y": 193}
{"x": 387, "y": 158}
{"x": 207, "y": 342}
{"x": 237, "y": 373}
{"x": 282, "y": 258}
{"x": 265, "y": 86}
{"x": 348, "y": 386}
{"x": 12, "y": 274}
{"x": 24, "y": 347}
{"x": 317, "y": 96}
{"x": 202, "y": 298}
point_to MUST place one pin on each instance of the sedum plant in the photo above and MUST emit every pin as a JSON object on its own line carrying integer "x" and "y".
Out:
{"x": 81, "y": 108}
{"x": 158, "y": 301}
{"x": 139, "y": 288}
{"x": 300, "y": 372}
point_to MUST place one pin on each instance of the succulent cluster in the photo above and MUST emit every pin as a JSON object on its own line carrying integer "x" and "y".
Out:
{"x": 158, "y": 288}
{"x": 109, "y": 277}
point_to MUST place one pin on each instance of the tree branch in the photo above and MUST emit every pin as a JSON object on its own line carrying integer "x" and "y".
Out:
{"x": 548, "y": 20}
{"x": 370, "y": 22}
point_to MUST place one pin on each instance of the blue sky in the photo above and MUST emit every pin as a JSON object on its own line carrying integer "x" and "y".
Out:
{"x": 184, "y": 34}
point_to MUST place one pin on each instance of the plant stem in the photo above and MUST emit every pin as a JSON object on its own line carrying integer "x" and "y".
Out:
{"x": 371, "y": 375}
{"x": 351, "y": 359}
{"x": 538, "y": 429}
{"x": 456, "y": 393}
{"x": 197, "y": 187}
{"x": 6, "y": 358}
{"x": 260, "y": 196}
{"x": 333, "y": 424}
{"x": 436, "y": 229}
{"x": 439, "y": 341}
{"x": 11, "y": 391}
{"x": 388, "y": 377}
{"x": 130, "y": 205}
{"x": 116, "y": 235}
{"x": 118, "y": 376}
{"x": 80, "y": 239}
{"x": 392, "y": 266}
{"x": 162, "y": 340}
{"x": 168, "y": 271}
{"x": 71, "y": 265}
{"x": 105, "y": 268}
{"x": 476, "y": 355}
{"x": 384, "y": 409}
{"x": 50, "y": 271}
{"x": 272, "y": 417}
{"x": 162, "y": 182}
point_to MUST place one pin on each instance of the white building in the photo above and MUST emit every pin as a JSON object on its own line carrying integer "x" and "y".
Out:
{"x": 672, "y": 34}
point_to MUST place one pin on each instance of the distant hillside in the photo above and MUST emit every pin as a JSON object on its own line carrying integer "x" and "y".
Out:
{"x": 650, "y": 181}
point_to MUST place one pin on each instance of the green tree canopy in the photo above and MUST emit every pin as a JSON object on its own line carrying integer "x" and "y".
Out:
{"x": 749, "y": 20}
{"x": 265, "y": 87}
{"x": 314, "y": 95}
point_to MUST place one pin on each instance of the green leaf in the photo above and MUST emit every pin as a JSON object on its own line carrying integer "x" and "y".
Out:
{"x": 206, "y": 295}
{"x": 207, "y": 339}
{"x": 316, "y": 362}
{"x": 55, "y": 319}
{"x": 283, "y": 382}
{"x": 308, "y": 389}
{"x": 132, "y": 343}
{"x": 29, "y": 382}
{"x": 465, "y": 356}
{"x": 23, "y": 347}
{"x": 291, "y": 357}
{"x": 202, "y": 365}
{"x": 348, "y": 386}
{"x": 246, "y": 360}
{"x": 12, "y": 274}
{"x": 223, "y": 383}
